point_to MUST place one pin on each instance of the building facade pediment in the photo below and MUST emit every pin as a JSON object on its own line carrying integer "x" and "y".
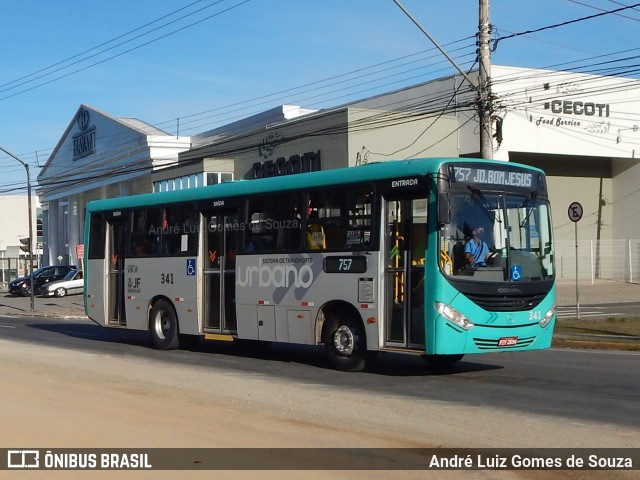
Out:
{"x": 98, "y": 149}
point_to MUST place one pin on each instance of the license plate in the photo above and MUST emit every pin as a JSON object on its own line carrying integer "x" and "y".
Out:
{"x": 507, "y": 341}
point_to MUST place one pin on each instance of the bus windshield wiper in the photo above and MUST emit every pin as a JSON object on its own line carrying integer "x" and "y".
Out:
{"x": 531, "y": 198}
{"x": 480, "y": 199}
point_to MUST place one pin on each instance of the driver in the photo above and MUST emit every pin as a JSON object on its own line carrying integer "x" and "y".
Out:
{"x": 476, "y": 251}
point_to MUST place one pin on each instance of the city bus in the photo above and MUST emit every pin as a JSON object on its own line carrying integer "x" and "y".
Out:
{"x": 365, "y": 259}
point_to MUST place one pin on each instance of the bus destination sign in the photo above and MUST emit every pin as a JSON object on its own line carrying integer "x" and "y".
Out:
{"x": 505, "y": 177}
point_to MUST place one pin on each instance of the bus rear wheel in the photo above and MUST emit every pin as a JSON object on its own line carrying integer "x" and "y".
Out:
{"x": 163, "y": 325}
{"x": 346, "y": 345}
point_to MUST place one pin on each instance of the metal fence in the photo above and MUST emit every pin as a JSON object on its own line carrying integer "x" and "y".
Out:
{"x": 12, "y": 268}
{"x": 617, "y": 260}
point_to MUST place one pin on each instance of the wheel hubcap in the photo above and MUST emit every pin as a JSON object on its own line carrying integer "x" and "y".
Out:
{"x": 163, "y": 325}
{"x": 344, "y": 340}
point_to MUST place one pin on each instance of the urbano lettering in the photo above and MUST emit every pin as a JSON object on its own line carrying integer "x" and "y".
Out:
{"x": 275, "y": 276}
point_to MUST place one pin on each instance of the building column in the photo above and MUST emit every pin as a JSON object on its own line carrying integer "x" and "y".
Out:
{"x": 52, "y": 233}
{"x": 44, "y": 252}
{"x": 73, "y": 232}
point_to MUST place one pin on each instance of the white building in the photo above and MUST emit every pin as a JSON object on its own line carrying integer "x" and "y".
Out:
{"x": 583, "y": 130}
{"x": 14, "y": 227}
{"x": 98, "y": 156}
{"x": 14, "y": 220}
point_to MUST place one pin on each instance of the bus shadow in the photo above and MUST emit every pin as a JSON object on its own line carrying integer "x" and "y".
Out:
{"x": 90, "y": 331}
{"x": 386, "y": 363}
{"x": 268, "y": 357}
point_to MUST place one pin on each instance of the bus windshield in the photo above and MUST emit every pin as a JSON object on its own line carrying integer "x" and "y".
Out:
{"x": 498, "y": 236}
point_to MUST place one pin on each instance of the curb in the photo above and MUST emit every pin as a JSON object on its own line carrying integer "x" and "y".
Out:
{"x": 620, "y": 343}
{"x": 45, "y": 315}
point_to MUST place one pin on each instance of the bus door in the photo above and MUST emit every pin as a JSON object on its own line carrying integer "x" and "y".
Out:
{"x": 405, "y": 245}
{"x": 220, "y": 247}
{"x": 117, "y": 231}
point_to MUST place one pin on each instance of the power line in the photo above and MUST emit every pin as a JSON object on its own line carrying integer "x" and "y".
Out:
{"x": 371, "y": 124}
{"x": 562, "y": 24}
{"x": 603, "y": 10}
{"x": 113, "y": 56}
{"x": 61, "y": 62}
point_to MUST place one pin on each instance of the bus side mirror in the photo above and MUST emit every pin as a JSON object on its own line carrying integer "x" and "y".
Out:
{"x": 444, "y": 208}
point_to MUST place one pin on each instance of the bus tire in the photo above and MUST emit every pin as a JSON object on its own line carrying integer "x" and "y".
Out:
{"x": 163, "y": 325}
{"x": 346, "y": 345}
{"x": 440, "y": 361}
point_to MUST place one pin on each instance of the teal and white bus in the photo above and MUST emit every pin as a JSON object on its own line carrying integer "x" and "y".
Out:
{"x": 378, "y": 257}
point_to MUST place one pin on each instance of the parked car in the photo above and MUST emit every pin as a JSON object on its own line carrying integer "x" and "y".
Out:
{"x": 43, "y": 275}
{"x": 71, "y": 284}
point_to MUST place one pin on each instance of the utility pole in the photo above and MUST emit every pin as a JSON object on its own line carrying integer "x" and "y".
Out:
{"x": 485, "y": 100}
{"x": 601, "y": 203}
{"x": 26, "y": 167}
{"x": 483, "y": 89}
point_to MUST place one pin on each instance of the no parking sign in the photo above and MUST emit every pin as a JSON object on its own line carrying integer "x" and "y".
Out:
{"x": 575, "y": 212}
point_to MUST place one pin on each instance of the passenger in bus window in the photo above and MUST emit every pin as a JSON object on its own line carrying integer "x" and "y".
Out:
{"x": 476, "y": 251}
{"x": 315, "y": 233}
{"x": 141, "y": 248}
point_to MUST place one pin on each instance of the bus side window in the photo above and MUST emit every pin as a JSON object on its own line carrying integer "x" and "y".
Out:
{"x": 340, "y": 219}
{"x": 145, "y": 232}
{"x": 180, "y": 235}
{"x": 274, "y": 223}
{"x": 316, "y": 239}
{"x": 97, "y": 236}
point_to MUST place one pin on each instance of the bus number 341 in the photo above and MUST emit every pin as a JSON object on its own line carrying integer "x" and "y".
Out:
{"x": 166, "y": 278}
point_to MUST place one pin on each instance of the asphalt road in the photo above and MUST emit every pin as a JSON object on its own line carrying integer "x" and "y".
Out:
{"x": 572, "y": 385}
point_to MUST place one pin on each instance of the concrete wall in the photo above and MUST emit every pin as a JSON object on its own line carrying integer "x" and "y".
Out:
{"x": 14, "y": 219}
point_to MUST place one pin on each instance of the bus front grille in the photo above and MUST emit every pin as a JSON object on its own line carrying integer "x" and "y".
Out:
{"x": 502, "y": 303}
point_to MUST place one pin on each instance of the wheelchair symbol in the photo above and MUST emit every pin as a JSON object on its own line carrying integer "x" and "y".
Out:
{"x": 191, "y": 266}
{"x": 516, "y": 273}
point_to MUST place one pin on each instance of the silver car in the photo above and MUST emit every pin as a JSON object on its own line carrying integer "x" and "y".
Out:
{"x": 72, "y": 283}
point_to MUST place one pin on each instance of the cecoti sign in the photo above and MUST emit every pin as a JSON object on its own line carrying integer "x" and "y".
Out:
{"x": 578, "y": 107}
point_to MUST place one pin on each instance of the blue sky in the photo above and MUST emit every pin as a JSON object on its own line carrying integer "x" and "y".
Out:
{"x": 227, "y": 59}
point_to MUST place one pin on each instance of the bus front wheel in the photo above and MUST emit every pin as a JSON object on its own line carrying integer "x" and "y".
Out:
{"x": 163, "y": 325}
{"x": 346, "y": 345}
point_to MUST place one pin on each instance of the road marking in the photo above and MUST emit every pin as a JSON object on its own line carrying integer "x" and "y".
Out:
{"x": 7, "y": 326}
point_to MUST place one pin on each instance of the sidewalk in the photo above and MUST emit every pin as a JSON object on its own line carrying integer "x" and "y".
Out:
{"x": 66, "y": 307}
{"x": 600, "y": 292}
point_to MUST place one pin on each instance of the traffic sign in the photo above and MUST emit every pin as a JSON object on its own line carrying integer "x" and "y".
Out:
{"x": 575, "y": 212}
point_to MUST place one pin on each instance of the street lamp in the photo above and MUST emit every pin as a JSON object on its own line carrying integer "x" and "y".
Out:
{"x": 26, "y": 167}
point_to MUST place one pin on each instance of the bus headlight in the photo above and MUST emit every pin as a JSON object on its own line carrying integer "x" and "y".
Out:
{"x": 454, "y": 316}
{"x": 548, "y": 317}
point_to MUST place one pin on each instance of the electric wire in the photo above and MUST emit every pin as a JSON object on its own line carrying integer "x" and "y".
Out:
{"x": 119, "y": 54}
{"x": 375, "y": 122}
